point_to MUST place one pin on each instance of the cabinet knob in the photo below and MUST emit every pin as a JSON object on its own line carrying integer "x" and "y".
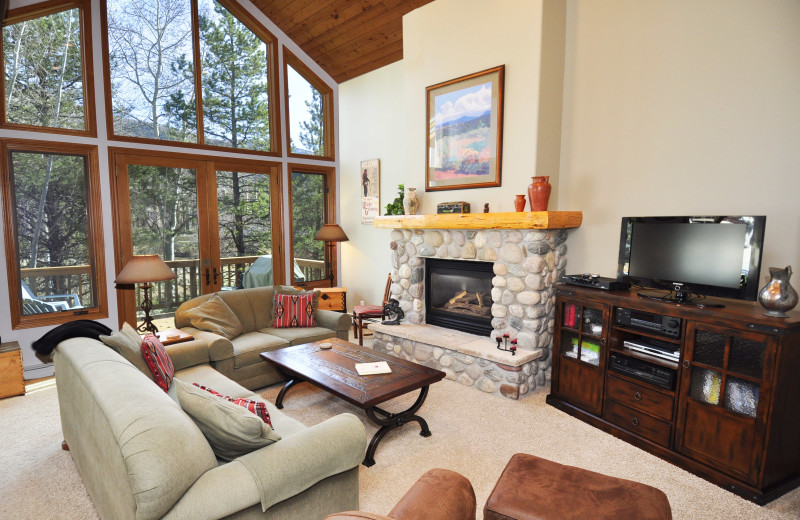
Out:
{"x": 637, "y": 396}
{"x": 686, "y": 363}
{"x": 602, "y": 341}
{"x": 635, "y": 421}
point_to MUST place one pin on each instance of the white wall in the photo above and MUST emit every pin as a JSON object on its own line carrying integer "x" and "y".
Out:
{"x": 681, "y": 107}
{"x": 370, "y": 127}
{"x": 382, "y": 115}
{"x": 669, "y": 108}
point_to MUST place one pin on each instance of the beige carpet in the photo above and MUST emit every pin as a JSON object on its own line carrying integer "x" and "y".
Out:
{"x": 473, "y": 433}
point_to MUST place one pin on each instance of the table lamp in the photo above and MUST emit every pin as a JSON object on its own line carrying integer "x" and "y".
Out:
{"x": 143, "y": 270}
{"x": 330, "y": 233}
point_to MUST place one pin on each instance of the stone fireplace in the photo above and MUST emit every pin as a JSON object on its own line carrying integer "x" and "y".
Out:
{"x": 526, "y": 259}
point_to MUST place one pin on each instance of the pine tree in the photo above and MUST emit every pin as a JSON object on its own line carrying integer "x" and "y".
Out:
{"x": 312, "y": 130}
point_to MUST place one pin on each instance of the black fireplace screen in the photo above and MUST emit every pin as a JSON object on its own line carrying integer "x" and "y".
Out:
{"x": 458, "y": 295}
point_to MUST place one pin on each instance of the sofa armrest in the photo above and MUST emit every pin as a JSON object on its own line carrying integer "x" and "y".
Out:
{"x": 188, "y": 353}
{"x": 219, "y": 347}
{"x": 306, "y": 457}
{"x": 334, "y": 320}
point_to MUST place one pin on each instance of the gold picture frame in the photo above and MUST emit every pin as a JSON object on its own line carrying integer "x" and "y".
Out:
{"x": 465, "y": 131}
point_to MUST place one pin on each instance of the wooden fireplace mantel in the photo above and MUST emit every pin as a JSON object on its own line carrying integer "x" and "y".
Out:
{"x": 510, "y": 220}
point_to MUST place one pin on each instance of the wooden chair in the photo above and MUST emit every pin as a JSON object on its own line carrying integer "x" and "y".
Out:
{"x": 369, "y": 313}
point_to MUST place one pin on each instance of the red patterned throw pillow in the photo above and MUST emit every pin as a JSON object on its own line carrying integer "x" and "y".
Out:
{"x": 294, "y": 311}
{"x": 158, "y": 361}
{"x": 256, "y": 407}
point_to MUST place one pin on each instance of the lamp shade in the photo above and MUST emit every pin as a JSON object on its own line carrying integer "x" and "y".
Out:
{"x": 331, "y": 233}
{"x": 145, "y": 268}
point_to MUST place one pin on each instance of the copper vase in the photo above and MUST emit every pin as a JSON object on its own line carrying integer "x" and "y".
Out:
{"x": 539, "y": 193}
{"x": 519, "y": 203}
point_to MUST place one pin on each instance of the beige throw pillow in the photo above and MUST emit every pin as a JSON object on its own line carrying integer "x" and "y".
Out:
{"x": 215, "y": 316}
{"x": 128, "y": 343}
{"x": 230, "y": 429}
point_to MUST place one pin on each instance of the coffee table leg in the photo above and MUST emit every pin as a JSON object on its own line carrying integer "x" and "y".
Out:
{"x": 290, "y": 383}
{"x": 390, "y": 421}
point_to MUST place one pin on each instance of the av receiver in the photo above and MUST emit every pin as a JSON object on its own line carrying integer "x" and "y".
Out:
{"x": 658, "y": 323}
{"x": 642, "y": 370}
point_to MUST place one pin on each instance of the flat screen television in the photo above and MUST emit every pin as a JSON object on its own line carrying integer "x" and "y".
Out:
{"x": 693, "y": 257}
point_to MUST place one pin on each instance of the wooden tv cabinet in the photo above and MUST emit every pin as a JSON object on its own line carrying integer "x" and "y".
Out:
{"x": 731, "y": 416}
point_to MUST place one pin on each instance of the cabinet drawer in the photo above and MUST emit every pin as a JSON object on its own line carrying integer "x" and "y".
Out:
{"x": 639, "y": 397}
{"x": 637, "y": 422}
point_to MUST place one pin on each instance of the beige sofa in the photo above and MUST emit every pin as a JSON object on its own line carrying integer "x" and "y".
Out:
{"x": 239, "y": 358}
{"x": 142, "y": 457}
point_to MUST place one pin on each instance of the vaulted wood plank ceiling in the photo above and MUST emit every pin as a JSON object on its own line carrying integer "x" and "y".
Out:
{"x": 347, "y": 38}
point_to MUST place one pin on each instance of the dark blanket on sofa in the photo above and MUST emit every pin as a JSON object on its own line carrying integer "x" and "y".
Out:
{"x": 74, "y": 329}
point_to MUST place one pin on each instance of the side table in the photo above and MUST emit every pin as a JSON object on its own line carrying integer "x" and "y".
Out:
{"x": 12, "y": 380}
{"x": 172, "y": 336}
{"x": 333, "y": 298}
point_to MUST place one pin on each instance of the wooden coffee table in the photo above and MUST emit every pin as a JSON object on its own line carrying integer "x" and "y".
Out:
{"x": 333, "y": 370}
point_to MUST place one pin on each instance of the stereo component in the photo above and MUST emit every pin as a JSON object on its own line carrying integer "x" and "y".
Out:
{"x": 642, "y": 370}
{"x": 658, "y": 323}
{"x": 594, "y": 281}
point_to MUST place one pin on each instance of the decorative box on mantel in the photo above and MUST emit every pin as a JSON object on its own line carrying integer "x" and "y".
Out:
{"x": 528, "y": 252}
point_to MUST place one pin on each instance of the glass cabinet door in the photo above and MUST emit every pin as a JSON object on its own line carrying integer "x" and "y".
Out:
{"x": 721, "y": 397}
{"x": 582, "y": 333}
{"x": 734, "y": 386}
{"x": 579, "y": 363}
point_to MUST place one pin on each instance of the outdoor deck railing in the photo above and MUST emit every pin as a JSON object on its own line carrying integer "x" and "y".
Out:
{"x": 166, "y": 296}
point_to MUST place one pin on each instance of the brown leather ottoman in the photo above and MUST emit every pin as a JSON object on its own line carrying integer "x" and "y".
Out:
{"x": 532, "y": 488}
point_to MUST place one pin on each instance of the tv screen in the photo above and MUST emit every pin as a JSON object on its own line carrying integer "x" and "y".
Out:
{"x": 693, "y": 256}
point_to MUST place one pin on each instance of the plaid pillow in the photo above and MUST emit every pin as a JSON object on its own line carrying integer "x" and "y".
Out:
{"x": 294, "y": 311}
{"x": 257, "y": 407}
{"x": 158, "y": 361}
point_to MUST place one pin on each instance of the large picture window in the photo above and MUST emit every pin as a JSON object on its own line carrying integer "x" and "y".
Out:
{"x": 311, "y": 207}
{"x": 44, "y": 57}
{"x": 54, "y": 240}
{"x": 309, "y": 111}
{"x": 205, "y": 83}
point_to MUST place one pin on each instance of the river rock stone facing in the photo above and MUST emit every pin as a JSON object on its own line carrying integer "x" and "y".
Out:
{"x": 526, "y": 265}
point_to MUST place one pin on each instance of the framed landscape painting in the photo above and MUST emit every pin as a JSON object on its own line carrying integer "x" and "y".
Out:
{"x": 465, "y": 129}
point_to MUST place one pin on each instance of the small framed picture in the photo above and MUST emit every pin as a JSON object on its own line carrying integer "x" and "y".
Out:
{"x": 370, "y": 190}
{"x": 465, "y": 130}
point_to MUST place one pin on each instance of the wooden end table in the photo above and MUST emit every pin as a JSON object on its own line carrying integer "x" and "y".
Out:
{"x": 333, "y": 370}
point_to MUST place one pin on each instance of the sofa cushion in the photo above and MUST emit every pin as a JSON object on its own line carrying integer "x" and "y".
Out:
{"x": 248, "y": 347}
{"x": 293, "y": 311}
{"x": 215, "y": 316}
{"x": 300, "y": 336}
{"x": 208, "y": 376}
{"x": 231, "y": 430}
{"x": 259, "y": 408}
{"x": 158, "y": 362}
{"x": 128, "y": 343}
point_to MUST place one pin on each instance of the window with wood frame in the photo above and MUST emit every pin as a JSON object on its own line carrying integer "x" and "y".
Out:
{"x": 190, "y": 71}
{"x": 47, "y": 78}
{"x": 311, "y": 206}
{"x": 309, "y": 113}
{"x": 53, "y": 238}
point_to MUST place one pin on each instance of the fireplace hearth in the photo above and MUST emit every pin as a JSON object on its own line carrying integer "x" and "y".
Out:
{"x": 458, "y": 295}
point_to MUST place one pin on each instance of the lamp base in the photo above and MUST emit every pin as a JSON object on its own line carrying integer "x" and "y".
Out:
{"x": 147, "y": 325}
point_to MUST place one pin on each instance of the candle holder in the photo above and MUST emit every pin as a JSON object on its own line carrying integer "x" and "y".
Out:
{"x": 506, "y": 347}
